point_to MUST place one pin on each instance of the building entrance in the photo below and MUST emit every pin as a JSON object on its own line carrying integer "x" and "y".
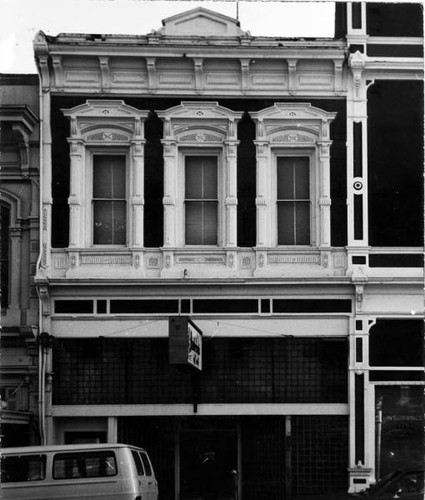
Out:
{"x": 208, "y": 464}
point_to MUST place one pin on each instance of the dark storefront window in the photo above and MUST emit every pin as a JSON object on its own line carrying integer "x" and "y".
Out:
{"x": 280, "y": 370}
{"x": 319, "y": 454}
{"x": 399, "y": 428}
{"x": 395, "y": 158}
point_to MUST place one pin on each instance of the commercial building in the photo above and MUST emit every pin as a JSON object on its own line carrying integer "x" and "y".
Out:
{"x": 270, "y": 191}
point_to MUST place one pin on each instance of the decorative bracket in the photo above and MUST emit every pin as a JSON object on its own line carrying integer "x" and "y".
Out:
{"x": 198, "y": 63}
{"x": 152, "y": 78}
{"x": 245, "y": 65}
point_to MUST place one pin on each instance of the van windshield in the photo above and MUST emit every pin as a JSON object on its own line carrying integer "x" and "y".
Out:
{"x": 84, "y": 464}
{"x": 20, "y": 468}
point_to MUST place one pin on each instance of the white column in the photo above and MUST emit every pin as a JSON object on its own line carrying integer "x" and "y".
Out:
{"x": 231, "y": 200}
{"x": 357, "y": 182}
{"x": 325, "y": 194}
{"x": 46, "y": 180}
{"x": 170, "y": 186}
{"x": 137, "y": 200}
{"x": 262, "y": 199}
{"x": 76, "y": 222}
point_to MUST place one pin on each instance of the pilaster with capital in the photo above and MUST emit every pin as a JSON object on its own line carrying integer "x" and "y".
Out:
{"x": 231, "y": 200}
{"x": 170, "y": 194}
{"x": 325, "y": 189}
{"x": 261, "y": 200}
{"x": 76, "y": 215}
{"x": 137, "y": 200}
{"x": 357, "y": 177}
{"x": 46, "y": 184}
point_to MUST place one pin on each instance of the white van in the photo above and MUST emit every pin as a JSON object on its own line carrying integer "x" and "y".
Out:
{"x": 77, "y": 472}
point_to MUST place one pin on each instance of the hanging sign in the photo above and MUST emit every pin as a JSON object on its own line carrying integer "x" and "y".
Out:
{"x": 184, "y": 342}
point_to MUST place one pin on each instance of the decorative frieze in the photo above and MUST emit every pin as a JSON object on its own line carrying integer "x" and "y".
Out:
{"x": 107, "y": 136}
{"x": 153, "y": 261}
{"x": 200, "y": 137}
{"x": 293, "y": 259}
{"x": 105, "y": 259}
{"x": 292, "y": 138}
{"x": 201, "y": 259}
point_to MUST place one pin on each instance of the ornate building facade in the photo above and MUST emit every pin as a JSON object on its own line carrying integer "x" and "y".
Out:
{"x": 267, "y": 189}
{"x": 19, "y": 205}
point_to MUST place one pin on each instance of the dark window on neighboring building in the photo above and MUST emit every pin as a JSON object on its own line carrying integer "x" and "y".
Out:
{"x": 356, "y": 15}
{"x": 340, "y": 19}
{"x": 201, "y": 200}
{"x": 4, "y": 254}
{"x": 394, "y": 19}
{"x": 396, "y": 342}
{"x": 395, "y": 159}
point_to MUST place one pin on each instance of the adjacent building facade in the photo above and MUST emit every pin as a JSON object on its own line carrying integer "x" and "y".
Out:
{"x": 268, "y": 189}
{"x": 19, "y": 205}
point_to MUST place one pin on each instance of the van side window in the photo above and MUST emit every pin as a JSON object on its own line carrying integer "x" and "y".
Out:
{"x": 16, "y": 469}
{"x": 84, "y": 464}
{"x": 146, "y": 464}
{"x": 138, "y": 462}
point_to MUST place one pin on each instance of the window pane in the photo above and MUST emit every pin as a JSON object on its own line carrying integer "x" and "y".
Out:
{"x": 201, "y": 223}
{"x": 209, "y": 223}
{"x": 209, "y": 172}
{"x": 84, "y": 464}
{"x": 285, "y": 179}
{"x": 201, "y": 178}
{"x": 201, "y": 216}
{"x": 109, "y": 222}
{"x": 293, "y": 183}
{"x": 146, "y": 464}
{"x": 23, "y": 469}
{"x": 302, "y": 179}
{"x": 302, "y": 223}
{"x": 293, "y": 178}
{"x": 138, "y": 462}
{"x": 108, "y": 176}
{"x": 193, "y": 179}
{"x": 293, "y": 223}
{"x": 286, "y": 223}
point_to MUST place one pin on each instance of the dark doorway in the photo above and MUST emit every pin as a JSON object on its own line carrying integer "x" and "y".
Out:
{"x": 208, "y": 464}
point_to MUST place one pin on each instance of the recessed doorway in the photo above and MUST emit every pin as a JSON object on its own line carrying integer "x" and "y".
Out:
{"x": 208, "y": 464}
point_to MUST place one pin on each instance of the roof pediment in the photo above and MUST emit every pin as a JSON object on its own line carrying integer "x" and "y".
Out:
{"x": 200, "y": 22}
